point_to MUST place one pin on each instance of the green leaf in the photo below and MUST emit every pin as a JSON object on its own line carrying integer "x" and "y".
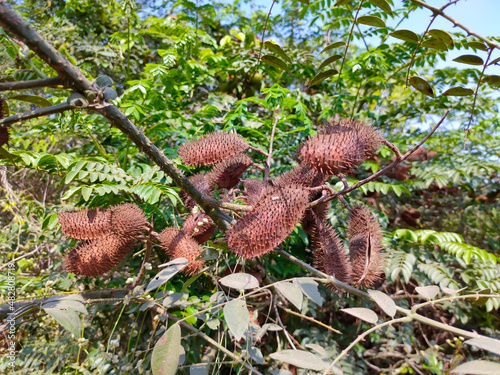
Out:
{"x": 469, "y": 59}
{"x": 256, "y": 355}
{"x": 443, "y": 36}
{"x": 300, "y": 358}
{"x": 4, "y": 154}
{"x": 329, "y": 60}
{"x": 428, "y": 292}
{"x": 275, "y": 61}
{"x": 382, "y": 4}
{"x": 422, "y": 86}
{"x": 322, "y": 76}
{"x": 406, "y": 35}
{"x": 436, "y": 44}
{"x": 163, "y": 276}
{"x": 33, "y": 99}
{"x": 291, "y": 293}
{"x": 237, "y": 317}
{"x": 332, "y": 46}
{"x": 384, "y": 301}
{"x": 240, "y": 281}
{"x": 362, "y": 313}
{"x": 341, "y": 2}
{"x": 485, "y": 343}
{"x": 371, "y": 21}
{"x": 478, "y": 367}
{"x": 492, "y": 80}
{"x": 458, "y": 91}
{"x": 165, "y": 357}
{"x": 310, "y": 288}
{"x": 66, "y": 316}
{"x": 86, "y": 191}
{"x": 477, "y": 45}
{"x": 274, "y": 47}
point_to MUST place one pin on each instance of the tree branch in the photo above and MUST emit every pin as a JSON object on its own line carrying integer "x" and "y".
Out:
{"x": 40, "y": 112}
{"x": 435, "y": 10}
{"x": 31, "y": 84}
{"x": 11, "y": 22}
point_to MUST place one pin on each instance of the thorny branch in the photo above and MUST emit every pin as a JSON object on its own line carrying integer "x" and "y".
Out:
{"x": 31, "y": 84}
{"x": 45, "y": 111}
{"x": 11, "y": 22}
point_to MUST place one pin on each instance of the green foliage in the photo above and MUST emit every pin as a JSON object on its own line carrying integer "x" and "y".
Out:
{"x": 194, "y": 70}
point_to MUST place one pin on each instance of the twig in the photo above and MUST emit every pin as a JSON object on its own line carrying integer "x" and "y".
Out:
{"x": 20, "y": 257}
{"x": 260, "y": 151}
{"x": 361, "y": 337}
{"x": 149, "y": 245}
{"x": 310, "y": 319}
{"x": 278, "y": 319}
{"x": 261, "y": 46}
{"x": 58, "y": 108}
{"x": 349, "y": 41}
{"x": 467, "y": 130}
{"x": 31, "y": 84}
{"x": 383, "y": 171}
{"x": 270, "y": 153}
{"x": 435, "y": 10}
{"x": 435, "y": 14}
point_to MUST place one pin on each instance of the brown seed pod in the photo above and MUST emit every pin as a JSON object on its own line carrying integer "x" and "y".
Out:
{"x": 199, "y": 226}
{"x": 128, "y": 220}
{"x": 87, "y": 224}
{"x": 212, "y": 148}
{"x": 98, "y": 256}
{"x": 365, "y": 245}
{"x": 329, "y": 254}
{"x": 254, "y": 190}
{"x": 227, "y": 173}
{"x": 312, "y": 215}
{"x": 177, "y": 244}
{"x": 340, "y": 147}
{"x": 200, "y": 182}
{"x": 4, "y": 111}
{"x": 4, "y": 135}
{"x": 301, "y": 175}
{"x": 272, "y": 220}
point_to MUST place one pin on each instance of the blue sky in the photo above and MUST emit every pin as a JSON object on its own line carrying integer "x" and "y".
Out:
{"x": 481, "y": 16}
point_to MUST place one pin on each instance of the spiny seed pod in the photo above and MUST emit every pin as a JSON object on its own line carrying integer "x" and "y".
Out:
{"x": 329, "y": 254}
{"x": 273, "y": 218}
{"x": 227, "y": 173}
{"x": 312, "y": 215}
{"x": 4, "y": 135}
{"x": 212, "y": 148}
{"x": 301, "y": 175}
{"x": 86, "y": 225}
{"x": 4, "y": 111}
{"x": 177, "y": 244}
{"x": 254, "y": 190}
{"x": 341, "y": 147}
{"x": 365, "y": 244}
{"x": 98, "y": 256}
{"x": 128, "y": 220}
{"x": 199, "y": 226}
{"x": 200, "y": 182}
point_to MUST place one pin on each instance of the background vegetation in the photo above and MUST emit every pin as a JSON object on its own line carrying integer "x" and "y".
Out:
{"x": 183, "y": 69}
